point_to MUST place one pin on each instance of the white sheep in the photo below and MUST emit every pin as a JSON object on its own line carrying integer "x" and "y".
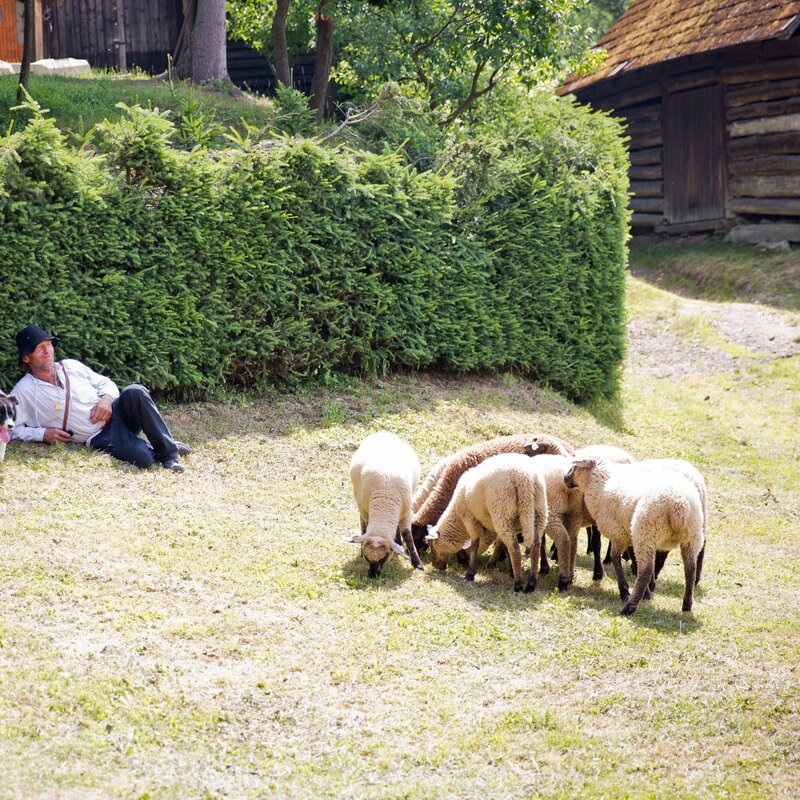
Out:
{"x": 384, "y": 472}
{"x": 694, "y": 475}
{"x": 648, "y": 509}
{"x": 502, "y": 495}
{"x": 427, "y": 486}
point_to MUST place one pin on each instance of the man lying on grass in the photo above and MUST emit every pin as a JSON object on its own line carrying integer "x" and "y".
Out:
{"x": 66, "y": 401}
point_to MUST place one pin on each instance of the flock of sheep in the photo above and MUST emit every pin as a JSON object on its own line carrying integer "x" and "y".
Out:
{"x": 518, "y": 488}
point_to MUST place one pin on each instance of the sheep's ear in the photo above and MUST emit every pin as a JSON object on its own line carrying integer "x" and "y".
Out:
{"x": 432, "y": 535}
{"x": 355, "y": 539}
{"x": 467, "y": 545}
{"x": 533, "y": 448}
{"x": 399, "y": 550}
{"x": 583, "y": 463}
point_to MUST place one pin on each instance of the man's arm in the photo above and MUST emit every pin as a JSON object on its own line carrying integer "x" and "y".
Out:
{"x": 106, "y": 389}
{"x": 27, "y": 428}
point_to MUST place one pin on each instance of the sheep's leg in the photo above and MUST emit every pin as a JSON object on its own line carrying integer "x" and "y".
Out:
{"x": 646, "y": 560}
{"x": 544, "y": 566}
{"x": 632, "y": 556}
{"x": 508, "y": 535}
{"x": 411, "y": 548}
{"x": 616, "y": 560}
{"x": 498, "y": 553}
{"x": 597, "y": 551}
{"x": 690, "y": 575}
{"x": 607, "y": 559}
{"x": 473, "y": 560}
{"x": 661, "y": 557}
{"x": 590, "y": 539}
{"x": 700, "y": 557}
{"x": 554, "y": 552}
{"x": 558, "y": 533}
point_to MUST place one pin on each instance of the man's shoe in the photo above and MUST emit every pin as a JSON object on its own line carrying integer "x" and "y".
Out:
{"x": 174, "y": 465}
{"x": 183, "y": 449}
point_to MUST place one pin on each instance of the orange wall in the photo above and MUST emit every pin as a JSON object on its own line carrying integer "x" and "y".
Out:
{"x": 10, "y": 44}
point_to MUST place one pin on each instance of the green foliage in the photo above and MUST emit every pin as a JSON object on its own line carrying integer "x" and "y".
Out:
{"x": 295, "y": 263}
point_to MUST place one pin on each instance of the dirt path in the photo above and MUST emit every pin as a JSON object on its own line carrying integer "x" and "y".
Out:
{"x": 767, "y": 334}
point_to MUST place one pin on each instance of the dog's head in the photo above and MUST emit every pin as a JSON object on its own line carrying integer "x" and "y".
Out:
{"x": 8, "y": 415}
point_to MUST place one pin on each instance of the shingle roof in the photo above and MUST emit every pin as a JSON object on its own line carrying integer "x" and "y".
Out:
{"x": 652, "y": 31}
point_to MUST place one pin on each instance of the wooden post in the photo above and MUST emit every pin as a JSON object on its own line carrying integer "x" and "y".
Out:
{"x": 119, "y": 39}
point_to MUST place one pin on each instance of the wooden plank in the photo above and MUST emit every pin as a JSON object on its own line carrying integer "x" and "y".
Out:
{"x": 648, "y": 205}
{"x": 642, "y": 128}
{"x": 631, "y": 97}
{"x": 691, "y": 80}
{"x": 692, "y": 227}
{"x": 765, "y": 233}
{"x": 772, "y": 144}
{"x": 647, "y": 221}
{"x": 652, "y": 173}
{"x": 778, "y": 69}
{"x": 775, "y": 108}
{"x": 769, "y": 165}
{"x": 643, "y": 157}
{"x": 645, "y": 140}
{"x": 752, "y": 127}
{"x": 648, "y": 189}
{"x": 766, "y": 186}
{"x": 770, "y": 207}
{"x": 761, "y": 92}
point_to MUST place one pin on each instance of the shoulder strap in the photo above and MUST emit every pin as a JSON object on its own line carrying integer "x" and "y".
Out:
{"x": 66, "y": 402}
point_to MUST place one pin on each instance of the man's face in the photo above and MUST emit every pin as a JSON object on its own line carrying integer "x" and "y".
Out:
{"x": 41, "y": 359}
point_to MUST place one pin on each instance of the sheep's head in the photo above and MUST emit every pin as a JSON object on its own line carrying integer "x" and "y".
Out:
{"x": 376, "y": 551}
{"x": 441, "y": 548}
{"x": 419, "y": 532}
{"x": 534, "y": 448}
{"x": 578, "y": 469}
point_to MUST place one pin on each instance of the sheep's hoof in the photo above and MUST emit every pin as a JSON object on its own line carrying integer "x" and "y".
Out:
{"x": 545, "y": 570}
{"x": 624, "y": 593}
{"x": 647, "y": 594}
{"x": 420, "y": 567}
{"x": 469, "y": 577}
{"x": 530, "y": 587}
{"x": 563, "y": 584}
{"x": 627, "y": 610}
{"x": 686, "y": 607}
{"x": 598, "y": 576}
{"x": 518, "y": 587}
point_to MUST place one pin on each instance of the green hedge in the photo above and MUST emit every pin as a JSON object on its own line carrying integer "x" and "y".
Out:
{"x": 191, "y": 272}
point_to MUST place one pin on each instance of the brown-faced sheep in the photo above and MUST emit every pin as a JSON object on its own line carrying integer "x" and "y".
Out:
{"x": 648, "y": 509}
{"x": 504, "y": 494}
{"x": 384, "y": 472}
{"x": 439, "y": 496}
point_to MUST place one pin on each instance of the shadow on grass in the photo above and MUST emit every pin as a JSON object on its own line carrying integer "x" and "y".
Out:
{"x": 394, "y": 574}
{"x": 498, "y": 594}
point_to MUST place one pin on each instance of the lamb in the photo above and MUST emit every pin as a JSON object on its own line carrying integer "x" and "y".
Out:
{"x": 433, "y": 506}
{"x": 384, "y": 472}
{"x": 501, "y": 495}
{"x": 649, "y": 509}
{"x": 615, "y": 455}
{"x": 694, "y": 475}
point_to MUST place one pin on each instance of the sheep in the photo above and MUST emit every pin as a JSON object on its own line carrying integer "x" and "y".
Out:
{"x": 618, "y": 456}
{"x": 645, "y": 508}
{"x": 694, "y": 475}
{"x": 384, "y": 472}
{"x": 501, "y": 495}
{"x": 566, "y": 515}
{"x": 438, "y": 497}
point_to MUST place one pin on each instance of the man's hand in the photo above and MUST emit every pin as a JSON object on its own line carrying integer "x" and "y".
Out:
{"x": 101, "y": 411}
{"x": 53, "y": 435}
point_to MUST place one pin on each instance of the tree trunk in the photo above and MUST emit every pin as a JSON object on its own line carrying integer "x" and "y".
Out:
{"x": 280, "y": 52}
{"x": 203, "y": 56}
{"x": 28, "y": 45}
{"x": 322, "y": 64}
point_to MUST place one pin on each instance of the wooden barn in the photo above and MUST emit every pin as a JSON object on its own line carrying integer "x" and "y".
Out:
{"x": 710, "y": 90}
{"x": 136, "y": 33}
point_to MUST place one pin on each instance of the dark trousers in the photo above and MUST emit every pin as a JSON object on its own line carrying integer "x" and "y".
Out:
{"x": 132, "y": 412}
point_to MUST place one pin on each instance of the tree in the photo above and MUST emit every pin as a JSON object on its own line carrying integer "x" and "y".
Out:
{"x": 28, "y": 46}
{"x": 200, "y": 53}
{"x": 322, "y": 62}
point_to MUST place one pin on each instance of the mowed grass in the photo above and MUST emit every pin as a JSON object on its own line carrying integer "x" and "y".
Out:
{"x": 214, "y": 634}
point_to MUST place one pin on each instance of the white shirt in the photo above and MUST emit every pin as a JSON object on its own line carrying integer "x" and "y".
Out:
{"x": 40, "y": 405}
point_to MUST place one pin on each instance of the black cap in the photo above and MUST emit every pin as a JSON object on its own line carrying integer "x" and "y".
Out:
{"x": 28, "y": 339}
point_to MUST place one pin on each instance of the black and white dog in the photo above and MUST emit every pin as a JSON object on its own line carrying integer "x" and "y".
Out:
{"x": 8, "y": 413}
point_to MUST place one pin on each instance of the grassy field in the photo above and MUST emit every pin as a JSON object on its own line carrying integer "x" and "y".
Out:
{"x": 214, "y": 634}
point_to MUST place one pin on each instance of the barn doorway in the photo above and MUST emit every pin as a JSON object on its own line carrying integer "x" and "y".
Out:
{"x": 694, "y": 155}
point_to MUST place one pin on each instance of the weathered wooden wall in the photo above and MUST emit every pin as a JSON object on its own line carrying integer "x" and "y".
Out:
{"x": 88, "y": 29}
{"x": 757, "y": 168}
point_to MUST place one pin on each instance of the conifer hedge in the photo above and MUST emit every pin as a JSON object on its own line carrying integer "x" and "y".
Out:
{"x": 191, "y": 272}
